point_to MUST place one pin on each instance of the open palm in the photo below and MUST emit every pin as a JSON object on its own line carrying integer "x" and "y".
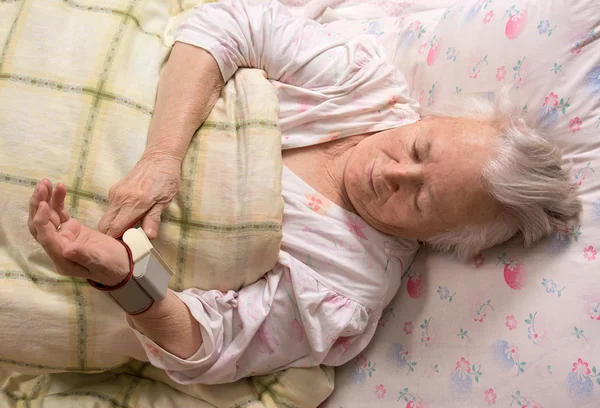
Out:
{"x": 75, "y": 250}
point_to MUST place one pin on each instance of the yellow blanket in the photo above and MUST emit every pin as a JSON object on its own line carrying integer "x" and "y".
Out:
{"x": 77, "y": 87}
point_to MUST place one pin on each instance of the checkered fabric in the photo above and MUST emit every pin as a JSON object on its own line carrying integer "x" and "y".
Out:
{"x": 77, "y": 88}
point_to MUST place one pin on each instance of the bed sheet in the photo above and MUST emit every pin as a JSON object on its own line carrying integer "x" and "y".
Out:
{"x": 514, "y": 326}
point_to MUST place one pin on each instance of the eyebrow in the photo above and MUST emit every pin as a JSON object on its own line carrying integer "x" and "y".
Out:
{"x": 430, "y": 193}
{"x": 424, "y": 153}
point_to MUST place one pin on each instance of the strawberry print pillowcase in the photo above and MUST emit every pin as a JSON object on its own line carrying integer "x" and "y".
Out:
{"x": 513, "y": 327}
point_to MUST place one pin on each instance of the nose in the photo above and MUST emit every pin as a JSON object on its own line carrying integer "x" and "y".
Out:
{"x": 396, "y": 174}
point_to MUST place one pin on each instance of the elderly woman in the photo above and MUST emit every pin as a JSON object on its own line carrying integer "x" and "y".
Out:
{"x": 463, "y": 181}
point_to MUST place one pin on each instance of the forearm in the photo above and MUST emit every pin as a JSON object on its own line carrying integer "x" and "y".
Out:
{"x": 187, "y": 91}
{"x": 170, "y": 324}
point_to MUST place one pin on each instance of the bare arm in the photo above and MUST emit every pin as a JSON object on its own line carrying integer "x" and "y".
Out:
{"x": 187, "y": 91}
{"x": 170, "y": 324}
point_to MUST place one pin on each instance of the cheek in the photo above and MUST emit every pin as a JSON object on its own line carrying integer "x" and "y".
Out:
{"x": 395, "y": 214}
{"x": 352, "y": 182}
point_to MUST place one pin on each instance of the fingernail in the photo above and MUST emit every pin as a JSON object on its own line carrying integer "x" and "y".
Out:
{"x": 151, "y": 233}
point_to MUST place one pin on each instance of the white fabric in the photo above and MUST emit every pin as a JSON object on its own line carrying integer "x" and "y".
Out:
{"x": 536, "y": 344}
{"x": 328, "y": 85}
{"x": 335, "y": 274}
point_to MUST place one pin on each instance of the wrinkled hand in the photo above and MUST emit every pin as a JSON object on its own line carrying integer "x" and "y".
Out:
{"x": 75, "y": 250}
{"x": 146, "y": 191}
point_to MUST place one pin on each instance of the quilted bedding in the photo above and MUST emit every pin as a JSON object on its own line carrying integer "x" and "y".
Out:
{"x": 77, "y": 87}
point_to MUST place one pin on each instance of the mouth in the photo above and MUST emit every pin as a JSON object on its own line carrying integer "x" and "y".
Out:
{"x": 370, "y": 175}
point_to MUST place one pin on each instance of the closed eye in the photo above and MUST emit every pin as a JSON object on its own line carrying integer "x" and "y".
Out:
{"x": 416, "y": 199}
{"x": 415, "y": 153}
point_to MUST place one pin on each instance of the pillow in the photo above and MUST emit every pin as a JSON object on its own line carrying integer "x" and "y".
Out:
{"x": 514, "y": 326}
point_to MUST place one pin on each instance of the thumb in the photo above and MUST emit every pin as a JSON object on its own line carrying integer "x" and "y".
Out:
{"x": 107, "y": 218}
{"x": 151, "y": 221}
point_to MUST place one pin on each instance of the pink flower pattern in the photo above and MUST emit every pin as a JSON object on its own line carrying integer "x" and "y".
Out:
{"x": 479, "y": 313}
{"x": 490, "y": 396}
{"x": 479, "y": 316}
{"x": 512, "y": 352}
{"x": 463, "y": 366}
{"x": 589, "y": 253}
{"x": 361, "y": 361}
{"x": 321, "y": 205}
{"x": 415, "y": 404}
{"x": 152, "y": 349}
{"x": 380, "y": 391}
{"x": 594, "y": 311}
{"x": 488, "y": 16}
{"x": 414, "y": 26}
{"x": 581, "y": 368}
{"x": 501, "y": 73}
{"x": 318, "y": 203}
{"x": 356, "y": 228}
{"x": 511, "y": 322}
{"x": 575, "y": 124}
{"x": 551, "y": 100}
{"x": 483, "y": 392}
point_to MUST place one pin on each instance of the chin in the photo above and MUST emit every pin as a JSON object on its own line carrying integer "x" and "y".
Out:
{"x": 378, "y": 224}
{"x": 364, "y": 213}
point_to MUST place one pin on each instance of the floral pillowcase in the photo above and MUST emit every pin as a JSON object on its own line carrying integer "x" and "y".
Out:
{"x": 513, "y": 327}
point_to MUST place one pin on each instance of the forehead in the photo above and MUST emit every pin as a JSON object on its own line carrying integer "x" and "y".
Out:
{"x": 459, "y": 149}
{"x": 461, "y": 131}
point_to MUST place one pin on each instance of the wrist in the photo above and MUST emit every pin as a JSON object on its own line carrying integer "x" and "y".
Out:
{"x": 163, "y": 319}
{"x": 116, "y": 273}
{"x": 160, "y": 310}
{"x": 158, "y": 153}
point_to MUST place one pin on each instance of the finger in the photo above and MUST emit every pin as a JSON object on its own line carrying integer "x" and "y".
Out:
{"x": 46, "y": 233}
{"x": 48, "y": 190}
{"x": 151, "y": 221}
{"x": 41, "y": 221}
{"x": 107, "y": 218}
{"x": 47, "y": 196}
{"x": 43, "y": 192}
{"x": 58, "y": 202}
{"x": 34, "y": 203}
{"x": 53, "y": 243}
{"x": 123, "y": 220}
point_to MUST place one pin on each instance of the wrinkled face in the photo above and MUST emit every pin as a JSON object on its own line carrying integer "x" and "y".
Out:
{"x": 422, "y": 179}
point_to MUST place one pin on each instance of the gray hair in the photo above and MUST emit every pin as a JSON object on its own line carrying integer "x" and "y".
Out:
{"x": 528, "y": 178}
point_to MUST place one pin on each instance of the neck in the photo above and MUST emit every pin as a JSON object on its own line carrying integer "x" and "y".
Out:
{"x": 338, "y": 155}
